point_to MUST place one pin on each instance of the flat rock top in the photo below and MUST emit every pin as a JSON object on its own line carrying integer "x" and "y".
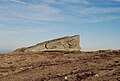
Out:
{"x": 58, "y": 66}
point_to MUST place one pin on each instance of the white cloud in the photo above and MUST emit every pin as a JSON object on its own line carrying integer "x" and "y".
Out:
{"x": 44, "y": 13}
{"x": 15, "y": 1}
{"x": 116, "y": 0}
{"x": 69, "y": 1}
{"x": 34, "y": 31}
{"x": 75, "y": 1}
{"x": 4, "y": 34}
{"x": 33, "y": 12}
{"x": 8, "y": 33}
{"x": 39, "y": 13}
{"x": 101, "y": 19}
{"x": 52, "y": 1}
{"x": 93, "y": 14}
{"x": 93, "y": 10}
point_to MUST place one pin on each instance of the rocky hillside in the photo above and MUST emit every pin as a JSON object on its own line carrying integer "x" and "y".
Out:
{"x": 103, "y": 65}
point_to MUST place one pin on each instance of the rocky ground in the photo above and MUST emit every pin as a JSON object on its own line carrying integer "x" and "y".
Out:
{"x": 60, "y": 66}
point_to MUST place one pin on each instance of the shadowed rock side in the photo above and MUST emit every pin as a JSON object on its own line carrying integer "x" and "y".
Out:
{"x": 69, "y": 43}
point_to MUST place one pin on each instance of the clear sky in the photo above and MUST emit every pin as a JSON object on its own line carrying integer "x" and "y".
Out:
{"x": 27, "y": 22}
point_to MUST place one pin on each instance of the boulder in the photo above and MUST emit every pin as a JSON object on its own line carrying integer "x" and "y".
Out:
{"x": 68, "y": 43}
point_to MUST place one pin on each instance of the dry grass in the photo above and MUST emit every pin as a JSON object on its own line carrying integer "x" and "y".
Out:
{"x": 102, "y": 65}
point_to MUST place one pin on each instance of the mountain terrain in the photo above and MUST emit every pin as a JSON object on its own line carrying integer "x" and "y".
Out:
{"x": 102, "y": 65}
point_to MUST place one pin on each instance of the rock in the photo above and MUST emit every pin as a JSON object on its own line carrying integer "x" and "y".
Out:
{"x": 68, "y": 43}
{"x": 20, "y": 49}
{"x": 97, "y": 75}
{"x": 66, "y": 78}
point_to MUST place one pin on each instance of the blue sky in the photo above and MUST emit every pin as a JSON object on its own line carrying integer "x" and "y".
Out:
{"x": 27, "y": 22}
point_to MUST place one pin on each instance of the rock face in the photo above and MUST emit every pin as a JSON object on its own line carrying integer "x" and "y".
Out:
{"x": 69, "y": 43}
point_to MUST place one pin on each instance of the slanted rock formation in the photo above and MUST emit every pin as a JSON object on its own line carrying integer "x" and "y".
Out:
{"x": 68, "y": 43}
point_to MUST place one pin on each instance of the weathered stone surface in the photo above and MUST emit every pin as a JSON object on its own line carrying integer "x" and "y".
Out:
{"x": 20, "y": 50}
{"x": 69, "y": 43}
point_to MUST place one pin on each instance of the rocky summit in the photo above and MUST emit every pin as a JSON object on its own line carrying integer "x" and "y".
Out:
{"x": 59, "y": 63}
{"x": 69, "y": 43}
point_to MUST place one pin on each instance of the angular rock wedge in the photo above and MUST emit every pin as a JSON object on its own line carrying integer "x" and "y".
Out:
{"x": 68, "y": 43}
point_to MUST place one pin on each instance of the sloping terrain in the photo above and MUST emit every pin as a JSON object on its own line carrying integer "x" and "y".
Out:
{"x": 60, "y": 66}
